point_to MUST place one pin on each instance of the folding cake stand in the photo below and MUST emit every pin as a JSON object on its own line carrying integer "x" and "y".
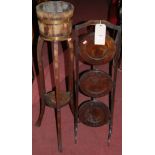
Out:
{"x": 95, "y": 83}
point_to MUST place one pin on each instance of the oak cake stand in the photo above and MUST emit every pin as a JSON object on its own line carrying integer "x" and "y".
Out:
{"x": 95, "y": 83}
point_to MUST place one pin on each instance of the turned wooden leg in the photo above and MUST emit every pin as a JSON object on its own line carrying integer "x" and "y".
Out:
{"x": 41, "y": 80}
{"x": 57, "y": 83}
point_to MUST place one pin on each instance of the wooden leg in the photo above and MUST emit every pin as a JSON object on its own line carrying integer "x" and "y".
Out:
{"x": 57, "y": 83}
{"x": 41, "y": 80}
{"x": 71, "y": 78}
{"x": 112, "y": 101}
{"x": 120, "y": 60}
{"x": 76, "y": 87}
{"x": 33, "y": 71}
{"x": 110, "y": 105}
{"x": 112, "y": 96}
{"x": 71, "y": 67}
{"x": 58, "y": 127}
{"x": 41, "y": 114}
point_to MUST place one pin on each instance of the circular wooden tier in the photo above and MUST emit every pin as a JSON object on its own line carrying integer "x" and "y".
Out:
{"x": 94, "y": 113}
{"x": 95, "y": 83}
{"x": 54, "y": 19}
{"x": 50, "y": 99}
{"x": 96, "y": 54}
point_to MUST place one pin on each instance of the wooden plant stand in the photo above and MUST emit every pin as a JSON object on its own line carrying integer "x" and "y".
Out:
{"x": 54, "y": 19}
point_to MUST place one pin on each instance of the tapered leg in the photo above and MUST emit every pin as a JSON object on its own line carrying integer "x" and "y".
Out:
{"x": 112, "y": 94}
{"x": 76, "y": 112}
{"x": 41, "y": 80}
{"x": 71, "y": 88}
{"x": 112, "y": 100}
{"x": 41, "y": 114}
{"x": 58, "y": 127}
{"x": 110, "y": 105}
{"x": 57, "y": 83}
{"x": 77, "y": 51}
{"x": 33, "y": 71}
{"x": 71, "y": 66}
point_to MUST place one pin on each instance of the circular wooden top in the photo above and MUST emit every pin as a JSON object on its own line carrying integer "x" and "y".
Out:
{"x": 95, "y": 83}
{"x": 94, "y": 113}
{"x": 96, "y": 54}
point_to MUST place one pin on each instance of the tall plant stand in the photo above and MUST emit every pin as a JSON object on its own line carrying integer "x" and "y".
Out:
{"x": 54, "y": 20}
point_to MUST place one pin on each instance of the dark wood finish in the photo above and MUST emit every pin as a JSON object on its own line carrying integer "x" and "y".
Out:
{"x": 54, "y": 20}
{"x": 57, "y": 95}
{"x": 50, "y": 99}
{"x": 71, "y": 69}
{"x": 41, "y": 79}
{"x": 94, "y": 113}
{"x": 58, "y": 98}
{"x": 95, "y": 83}
{"x": 96, "y": 54}
{"x": 94, "y": 22}
{"x": 76, "y": 73}
{"x": 115, "y": 66}
{"x": 71, "y": 86}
